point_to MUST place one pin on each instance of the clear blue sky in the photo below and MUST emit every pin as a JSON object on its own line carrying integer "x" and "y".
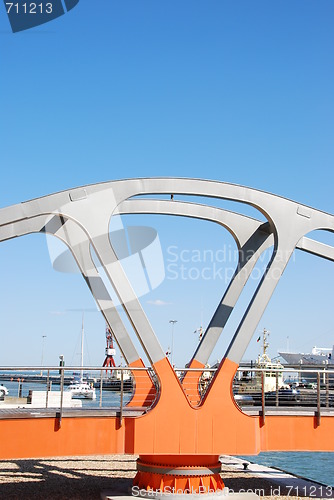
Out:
{"x": 237, "y": 91}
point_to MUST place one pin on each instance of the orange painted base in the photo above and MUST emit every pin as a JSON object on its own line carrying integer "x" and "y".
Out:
{"x": 179, "y": 474}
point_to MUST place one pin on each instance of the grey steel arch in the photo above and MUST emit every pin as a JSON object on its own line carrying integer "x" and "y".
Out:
{"x": 240, "y": 226}
{"x": 252, "y": 238}
{"x": 276, "y": 209}
{"x": 91, "y": 208}
{"x": 76, "y": 239}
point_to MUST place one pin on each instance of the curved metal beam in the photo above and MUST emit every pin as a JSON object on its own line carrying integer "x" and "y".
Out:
{"x": 251, "y": 237}
{"x": 78, "y": 244}
{"x": 93, "y": 205}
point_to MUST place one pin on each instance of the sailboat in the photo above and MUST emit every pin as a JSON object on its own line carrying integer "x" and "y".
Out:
{"x": 80, "y": 389}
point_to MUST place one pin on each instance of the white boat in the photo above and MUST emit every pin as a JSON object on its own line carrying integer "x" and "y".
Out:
{"x": 270, "y": 376}
{"x": 248, "y": 388}
{"x": 318, "y": 356}
{"x": 81, "y": 389}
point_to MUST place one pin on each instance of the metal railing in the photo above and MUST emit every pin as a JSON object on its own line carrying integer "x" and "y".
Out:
{"x": 133, "y": 390}
{"x": 294, "y": 389}
{"x": 255, "y": 390}
{"x": 261, "y": 389}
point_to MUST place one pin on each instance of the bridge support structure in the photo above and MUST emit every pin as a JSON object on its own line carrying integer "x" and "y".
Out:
{"x": 178, "y": 474}
{"x": 178, "y": 435}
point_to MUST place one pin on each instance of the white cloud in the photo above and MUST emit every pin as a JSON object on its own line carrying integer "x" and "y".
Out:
{"x": 158, "y": 302}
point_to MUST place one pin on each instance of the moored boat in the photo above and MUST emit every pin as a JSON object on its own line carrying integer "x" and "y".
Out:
{"x": 81, "y": 389}
{"x": 318, "y": 356}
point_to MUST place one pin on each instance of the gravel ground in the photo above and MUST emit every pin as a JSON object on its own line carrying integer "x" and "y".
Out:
{"x": 84, "y": 478}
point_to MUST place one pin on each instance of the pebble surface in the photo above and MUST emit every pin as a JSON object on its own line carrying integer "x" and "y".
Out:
{"x": 84, "y": 478}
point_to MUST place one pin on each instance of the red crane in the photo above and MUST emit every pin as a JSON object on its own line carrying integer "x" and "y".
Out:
{"x": 109, "y": 361}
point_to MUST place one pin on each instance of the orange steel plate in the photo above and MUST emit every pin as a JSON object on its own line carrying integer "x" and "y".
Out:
{"x": 172, "y": 427}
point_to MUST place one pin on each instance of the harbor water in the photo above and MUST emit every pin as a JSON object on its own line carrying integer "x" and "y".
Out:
{"x": 109, "y": 398}
{"x": 316, "y": 466}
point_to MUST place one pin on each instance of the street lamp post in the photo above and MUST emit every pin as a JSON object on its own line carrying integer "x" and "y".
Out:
{"x": 172, "y": 321}
{"x": 61, "y": 362}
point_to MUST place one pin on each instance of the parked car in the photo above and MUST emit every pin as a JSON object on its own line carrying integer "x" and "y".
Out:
{"x": 286, "y": 397}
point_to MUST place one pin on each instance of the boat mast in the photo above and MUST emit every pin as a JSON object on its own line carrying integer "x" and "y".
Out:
{"x": 82, "y": 346}
{"x": 265, "y": 343}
